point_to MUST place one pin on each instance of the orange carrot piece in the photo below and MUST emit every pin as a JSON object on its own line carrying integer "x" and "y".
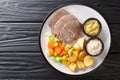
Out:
{"x": 61, "y": 46}
{"x": 52, "y": 44}
{"x": 58, "y": 50}
{"x": 51, "y": 51}
{"x": 63, "y": 53}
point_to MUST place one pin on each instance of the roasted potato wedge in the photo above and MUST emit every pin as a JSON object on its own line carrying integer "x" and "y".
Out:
{"x": 88, "y": 60}
{"x": 74, "y": 53}
{"x": 72, "y": 58}
{"x": 72, "y": 66}
{"x": 82, "y": 55}
{"x": 70, "y": 51}
{"x": 77, "y": 47}
{"x": 80, "y": 64}
{"x": 82, "y": 42}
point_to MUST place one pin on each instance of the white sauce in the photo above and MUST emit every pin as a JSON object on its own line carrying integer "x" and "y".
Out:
{"x": 94, "y": 47}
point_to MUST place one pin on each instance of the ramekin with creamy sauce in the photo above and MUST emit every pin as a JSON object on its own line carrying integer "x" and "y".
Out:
{"x": 94, "y": 46}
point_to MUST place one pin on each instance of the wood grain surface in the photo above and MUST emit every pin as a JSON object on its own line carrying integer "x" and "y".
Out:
{"x": 20, "y": 56}
{"x": 20, "y": 37}
{"x": 36, "y": 10}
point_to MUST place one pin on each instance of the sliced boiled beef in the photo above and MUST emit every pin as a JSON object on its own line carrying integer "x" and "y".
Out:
{"x": 70, "y": 32}
{"x": 65, "y": 26}
{"x": 56, "y": 16}
{"x": 61, "y": 22}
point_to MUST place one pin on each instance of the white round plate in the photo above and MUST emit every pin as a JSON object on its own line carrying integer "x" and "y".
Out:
{"x": 82, "y": 13}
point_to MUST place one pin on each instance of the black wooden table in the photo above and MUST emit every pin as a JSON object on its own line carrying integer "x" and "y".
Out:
{"x": 20, "y": 56}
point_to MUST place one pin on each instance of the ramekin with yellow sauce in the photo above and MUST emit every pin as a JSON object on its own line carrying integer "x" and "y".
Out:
{"x": 92, "y": 27}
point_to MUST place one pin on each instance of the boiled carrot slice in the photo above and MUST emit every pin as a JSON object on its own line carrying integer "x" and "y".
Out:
{"x": 57, "y": 50}
{"x": 51, "y": 51}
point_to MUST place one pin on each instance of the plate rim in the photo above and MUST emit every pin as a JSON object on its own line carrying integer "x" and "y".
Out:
{"x": 45, "y": 19}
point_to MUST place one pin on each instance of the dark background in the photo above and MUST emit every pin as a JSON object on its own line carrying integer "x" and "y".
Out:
{"x": 20, "y": 56}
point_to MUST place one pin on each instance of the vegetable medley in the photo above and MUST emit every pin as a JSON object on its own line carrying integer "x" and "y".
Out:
{"x": 74, "y": 57}
{"x": 56, "y": 50}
